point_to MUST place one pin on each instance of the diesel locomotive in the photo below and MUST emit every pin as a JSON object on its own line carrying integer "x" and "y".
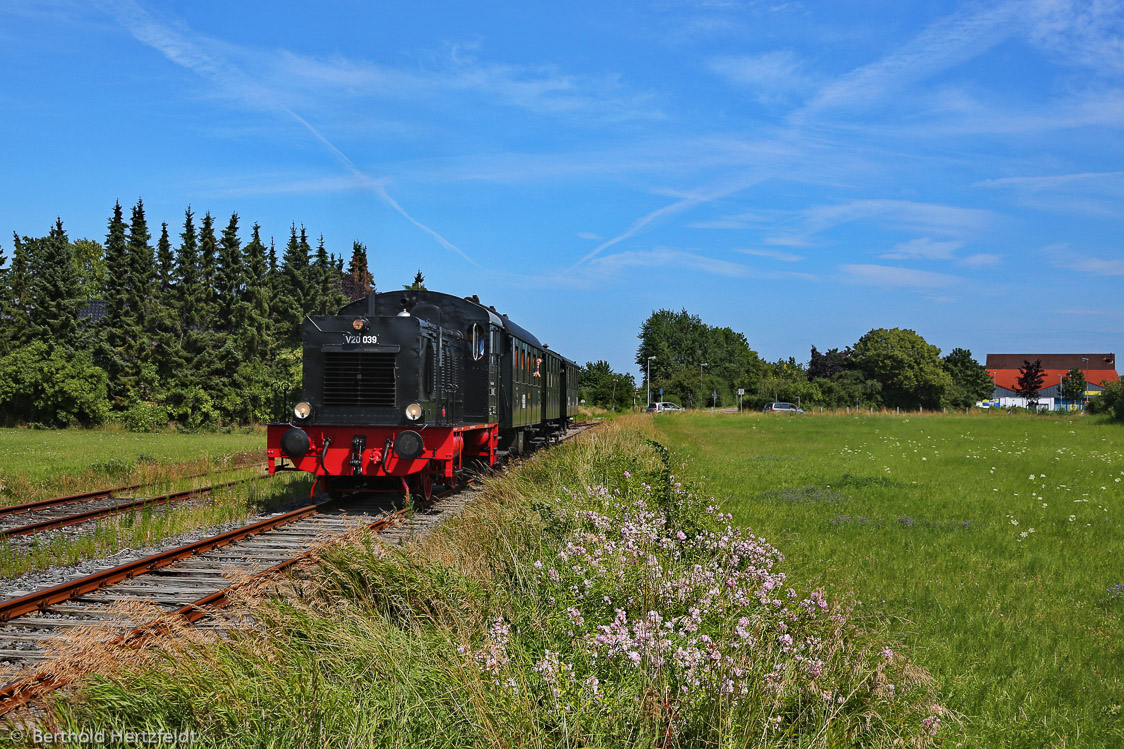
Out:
{"x": 408, "y": 388}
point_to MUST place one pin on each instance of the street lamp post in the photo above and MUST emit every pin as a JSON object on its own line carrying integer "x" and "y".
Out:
{"x": 649, "y": 378}
{"x": 701, "y": 365}
{"x": 1085, "y": 374}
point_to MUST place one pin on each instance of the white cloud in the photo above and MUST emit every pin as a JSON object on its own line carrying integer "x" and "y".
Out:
{"x": 944, "y": 44}
{"x": 923, "y": 248}
{"x": 1097, "y": 266}
{"x": 588, "y": 235}
{"x": 1090, "y": 34}
{"x": 784, "y": 257}
{"x": 895, "y": 277}
{"x": 933, "y": 218}
{"x": 1052, "y": 181}
{"x": 1061, "y": 255}
{"x": 772, "y": 77}
{"x": 612, "y": 265}
{"x": 981, "y": 260}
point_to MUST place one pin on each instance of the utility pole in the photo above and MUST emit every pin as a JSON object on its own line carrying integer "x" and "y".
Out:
{"x": 649, "y": 379}
{"x": 703, "y": 392}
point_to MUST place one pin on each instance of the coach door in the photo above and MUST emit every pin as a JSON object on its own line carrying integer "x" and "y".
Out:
{"x": 495, "y": 371}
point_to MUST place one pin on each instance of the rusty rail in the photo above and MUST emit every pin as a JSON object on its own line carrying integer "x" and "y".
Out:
{"x": 82, "y": 517}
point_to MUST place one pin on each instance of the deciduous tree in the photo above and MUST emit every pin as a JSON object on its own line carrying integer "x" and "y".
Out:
{"x": 907, "y": 367}
{"x": 1030, "y": 381}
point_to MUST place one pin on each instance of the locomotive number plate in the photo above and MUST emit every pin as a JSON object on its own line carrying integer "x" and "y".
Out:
{"x": 347, "y": 338}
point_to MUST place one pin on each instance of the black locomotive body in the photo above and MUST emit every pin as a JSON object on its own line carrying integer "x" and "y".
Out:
{"x": 417, "y": 384}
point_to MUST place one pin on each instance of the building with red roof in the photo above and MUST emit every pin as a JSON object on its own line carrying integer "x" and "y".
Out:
{"x": 1099, "y": 369}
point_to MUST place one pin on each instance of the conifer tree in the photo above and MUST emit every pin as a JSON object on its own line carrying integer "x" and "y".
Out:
{"x": 189, "y": 285}
{"x": 321, "y": 285}
{"x": 169, "y": 354}
{"x": 17, "y": 297}
{"x": 292, "y": 296}
{"x": 165, "y": 263}
{"x": 120, "y": 326}
{"x": 254, "y": 333}
{"x": 358, "y": 283}
{"x": 55, "y": 291}
{"x": 337, "y": 299}
{"x": 141, "y": 266}
{"x": 208, "y": 262}
{"x": 141, "y": 375}
{"x": 229, "y": 278}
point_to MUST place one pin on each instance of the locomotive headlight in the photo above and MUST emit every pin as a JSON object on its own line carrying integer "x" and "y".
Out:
{"x": 359, "y": 324}
{"x": 302, "y": 410}
{"x": 414, "y": 411}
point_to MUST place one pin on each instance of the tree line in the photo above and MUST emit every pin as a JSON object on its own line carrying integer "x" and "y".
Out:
{"x": 695, "y": 364}
{"x": 202, "y": 329}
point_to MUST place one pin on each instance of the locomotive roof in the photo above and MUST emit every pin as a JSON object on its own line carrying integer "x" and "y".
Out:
{"x": 390, "y": 303}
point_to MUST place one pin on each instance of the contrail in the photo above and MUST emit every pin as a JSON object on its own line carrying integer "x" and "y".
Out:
{"x": 668, "y": 210}
{"x": 185, "y": 53}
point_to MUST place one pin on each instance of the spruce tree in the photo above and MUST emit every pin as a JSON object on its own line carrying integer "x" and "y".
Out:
{"x": 55, "y": 291}
{"x": 165, "y": 262}
{"x": 321, "y": 285}
{"x": 120, "y": 327}
{"x": 358, "y": 283}
{"x": 229, "y": 279}
{"x": 254, "y": 333}
{"x": 208, "y": 270}
{"x": 169, "y": 354}
{"x": 292, "y": 296}
{"x": 142, "y": 289}
{"x": 189, "y": 282}
{"x": 17, "y": 298}
{"x": 141, "y": 266}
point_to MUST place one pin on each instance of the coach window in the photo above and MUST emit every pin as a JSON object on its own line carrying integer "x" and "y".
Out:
{"x": 476, "y": 341}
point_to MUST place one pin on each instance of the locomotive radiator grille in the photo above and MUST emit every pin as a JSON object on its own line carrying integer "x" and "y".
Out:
{"x": 358, "y": 379}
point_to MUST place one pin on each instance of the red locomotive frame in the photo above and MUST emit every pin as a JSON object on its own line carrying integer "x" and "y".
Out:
{"x": 444, "y": 453}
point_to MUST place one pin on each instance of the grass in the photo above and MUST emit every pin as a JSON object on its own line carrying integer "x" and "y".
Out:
{"x": 990, "y": 544}
{"x": 587, "y": 599}
{"x": 38, "y": 464}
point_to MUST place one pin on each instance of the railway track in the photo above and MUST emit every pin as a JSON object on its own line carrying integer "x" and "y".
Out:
{"x": 50, "y": 514}
{"x": 183, "y": 584}
{"x": 47, "y": 514}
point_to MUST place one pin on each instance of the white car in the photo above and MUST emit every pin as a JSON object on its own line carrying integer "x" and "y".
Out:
{"x": 783, "y": 408}
{"x": 664, "y": 406}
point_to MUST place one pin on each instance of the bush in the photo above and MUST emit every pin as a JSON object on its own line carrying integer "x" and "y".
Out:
{"x": 144, "y": 416}
{"x": 1111, "y": 401}
{"x": 54, "y": 387}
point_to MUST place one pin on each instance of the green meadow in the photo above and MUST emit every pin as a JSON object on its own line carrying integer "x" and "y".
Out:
{"x": 37, "y": 464}
{"x": 989, "y": 546}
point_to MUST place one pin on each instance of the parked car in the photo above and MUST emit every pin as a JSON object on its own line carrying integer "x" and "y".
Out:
{"x": 783, "y": 408}
{"x": 663, "y": 406}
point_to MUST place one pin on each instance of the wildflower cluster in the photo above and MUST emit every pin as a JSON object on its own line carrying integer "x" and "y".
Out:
{"x": 699, "y": 618}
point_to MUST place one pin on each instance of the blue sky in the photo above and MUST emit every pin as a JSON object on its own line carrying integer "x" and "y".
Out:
{"x": 800, "y": 172}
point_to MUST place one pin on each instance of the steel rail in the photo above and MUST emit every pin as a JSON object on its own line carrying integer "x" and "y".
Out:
{"x": 82, "y": 517}
{"x": 18, "y": 693}
{"x": 64, "y": 591}
{"x": 96, "y": 494}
